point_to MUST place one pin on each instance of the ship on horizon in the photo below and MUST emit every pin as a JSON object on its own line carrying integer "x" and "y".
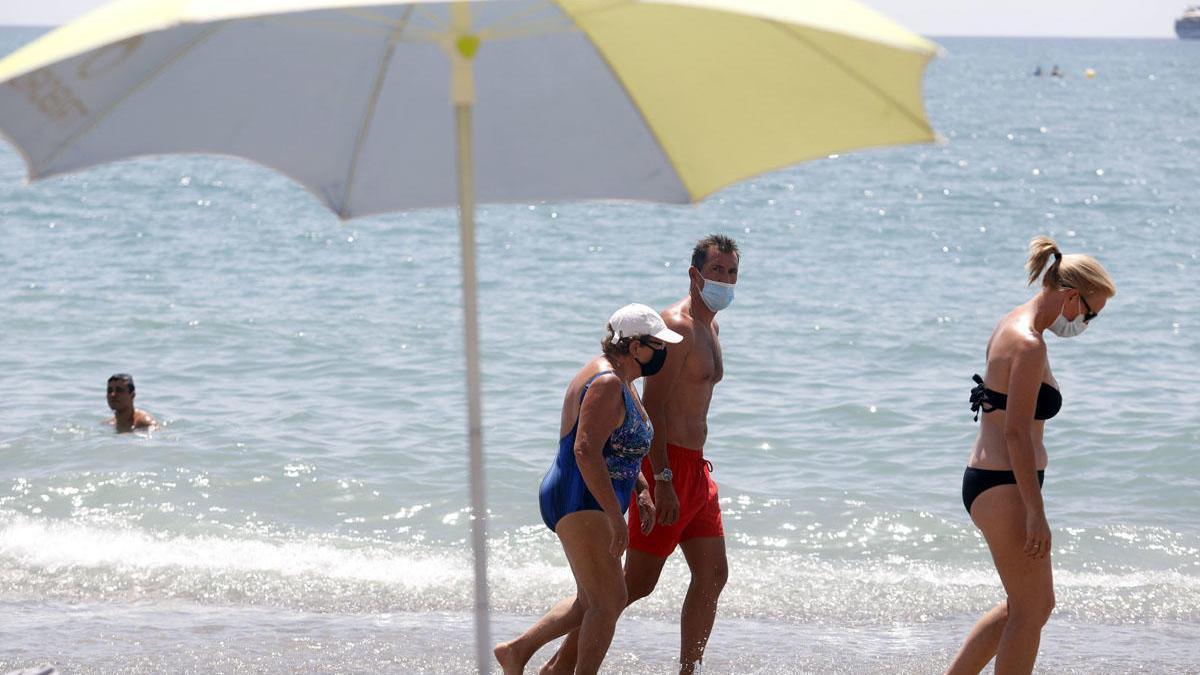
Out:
{"x": 1187, "y": 27}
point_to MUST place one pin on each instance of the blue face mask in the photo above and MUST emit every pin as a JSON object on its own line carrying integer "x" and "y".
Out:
{"x": 717, "y": 295}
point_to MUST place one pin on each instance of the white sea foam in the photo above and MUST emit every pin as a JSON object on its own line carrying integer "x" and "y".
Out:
{"x": 93, "y": 562}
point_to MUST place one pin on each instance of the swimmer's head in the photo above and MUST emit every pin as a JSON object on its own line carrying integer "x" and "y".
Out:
{"x": 120, "y": 391}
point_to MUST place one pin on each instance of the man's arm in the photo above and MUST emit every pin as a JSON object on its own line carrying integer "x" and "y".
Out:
{"x": 658, "y": 391}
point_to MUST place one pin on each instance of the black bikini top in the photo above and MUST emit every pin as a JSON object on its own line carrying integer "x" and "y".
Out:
{"x": 1049, "y": 400}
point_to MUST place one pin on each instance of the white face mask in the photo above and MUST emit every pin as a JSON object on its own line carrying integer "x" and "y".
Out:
{"x": 1066, "y": 329}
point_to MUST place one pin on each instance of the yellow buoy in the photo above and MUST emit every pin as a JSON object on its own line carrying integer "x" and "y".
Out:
{"x": 1089, "y": 73}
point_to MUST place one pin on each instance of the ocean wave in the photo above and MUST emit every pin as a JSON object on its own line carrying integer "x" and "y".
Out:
{"x": 82, "y": 562}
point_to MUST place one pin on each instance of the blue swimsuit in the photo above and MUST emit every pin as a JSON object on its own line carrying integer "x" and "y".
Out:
{"x": 563, "y": 490}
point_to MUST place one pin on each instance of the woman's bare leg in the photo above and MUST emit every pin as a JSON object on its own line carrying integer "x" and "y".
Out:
{"x": 641, "y": 576}
{"x": 1000, "y": 515}
{"x": 565, "y": 616}
{"x": 586, "y": 537}
{"x": 980, "y": 646}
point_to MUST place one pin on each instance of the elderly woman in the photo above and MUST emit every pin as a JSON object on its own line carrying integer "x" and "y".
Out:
{"x": 1002, "y": 484}
{"x": 603, "y": 436}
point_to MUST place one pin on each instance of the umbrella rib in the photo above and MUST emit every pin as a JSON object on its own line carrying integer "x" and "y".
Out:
{"x": 369, "y": 113}
{"x": 516, "y": 24}
{"x": 432, "y": 18}
{"x": 153, "y": 74}
{"x": 377, "y": 18}
{"x": 374, "y": 31}
{"x": 866, "y": 83}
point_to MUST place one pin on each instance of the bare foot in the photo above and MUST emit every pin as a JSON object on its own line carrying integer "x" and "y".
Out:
{"x": 553, "y": 667}
{"x": 510, "y": 661}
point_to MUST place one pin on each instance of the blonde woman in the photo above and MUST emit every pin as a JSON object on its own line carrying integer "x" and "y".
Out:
{"x": 1002, "y": 483}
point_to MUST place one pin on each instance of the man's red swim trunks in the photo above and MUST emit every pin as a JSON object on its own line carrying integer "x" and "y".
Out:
{"x": 699, "y": 510}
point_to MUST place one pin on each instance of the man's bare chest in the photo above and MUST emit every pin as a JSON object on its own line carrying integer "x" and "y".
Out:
{"x": 704, "y": 362}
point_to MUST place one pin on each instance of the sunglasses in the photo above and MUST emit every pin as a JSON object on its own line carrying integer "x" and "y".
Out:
{"x": 1088, "y": 314}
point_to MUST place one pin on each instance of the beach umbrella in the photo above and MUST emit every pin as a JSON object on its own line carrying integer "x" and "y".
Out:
{"x": 380, "y": 106}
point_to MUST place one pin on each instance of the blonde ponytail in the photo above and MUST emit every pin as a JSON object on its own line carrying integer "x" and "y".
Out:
{"x": 1078, "y": 270}
{"x": 1041, "y": 248}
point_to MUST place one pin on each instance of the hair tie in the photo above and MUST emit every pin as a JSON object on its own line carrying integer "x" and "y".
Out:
{"x": 1057, "y": 255}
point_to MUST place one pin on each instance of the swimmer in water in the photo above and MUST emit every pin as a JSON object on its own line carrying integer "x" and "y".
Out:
{"x": 125, "y": 417}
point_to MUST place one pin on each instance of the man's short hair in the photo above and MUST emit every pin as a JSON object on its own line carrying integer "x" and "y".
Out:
{"x": 123, "y": 377}
{"x": 723, "y": 243}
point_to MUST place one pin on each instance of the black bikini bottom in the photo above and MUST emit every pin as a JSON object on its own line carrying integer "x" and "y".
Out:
{"x": 975, "y": 481}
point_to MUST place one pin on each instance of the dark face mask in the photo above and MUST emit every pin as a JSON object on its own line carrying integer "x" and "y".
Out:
{"x": 655, "y": 363}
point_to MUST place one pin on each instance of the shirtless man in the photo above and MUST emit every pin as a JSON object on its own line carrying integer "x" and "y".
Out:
{"x": 689, "y": 515}
{"x": 126, "y": 418}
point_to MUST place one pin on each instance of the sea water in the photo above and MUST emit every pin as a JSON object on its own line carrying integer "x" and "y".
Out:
{"x": 303, "y": 507}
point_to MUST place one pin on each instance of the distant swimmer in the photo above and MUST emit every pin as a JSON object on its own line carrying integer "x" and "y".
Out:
{"x": 1055, "y": 72}
{"x": 1037, "y": 72}
{"x": 126, "y": 418}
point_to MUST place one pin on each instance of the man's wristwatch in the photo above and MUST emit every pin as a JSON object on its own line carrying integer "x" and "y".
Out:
{"x": 664, "y": 476}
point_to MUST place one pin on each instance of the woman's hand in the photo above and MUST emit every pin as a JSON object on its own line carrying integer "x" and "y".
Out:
{"x": 645, "y": 505}
{"x": 620, "y": 535}
{"x": 1037, "y": 535}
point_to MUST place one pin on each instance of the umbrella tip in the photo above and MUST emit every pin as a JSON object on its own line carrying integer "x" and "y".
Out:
{"x": 467, "y": 46}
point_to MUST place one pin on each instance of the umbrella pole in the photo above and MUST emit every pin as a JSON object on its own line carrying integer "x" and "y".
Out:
{"x": 466, "y": 229}
{"x": 463, "y": 95}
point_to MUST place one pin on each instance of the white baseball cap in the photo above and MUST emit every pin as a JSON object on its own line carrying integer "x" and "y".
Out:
{"x": 637, "y": 320}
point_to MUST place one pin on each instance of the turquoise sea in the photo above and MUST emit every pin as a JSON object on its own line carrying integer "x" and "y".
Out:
{"x": 304, "y": 507}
